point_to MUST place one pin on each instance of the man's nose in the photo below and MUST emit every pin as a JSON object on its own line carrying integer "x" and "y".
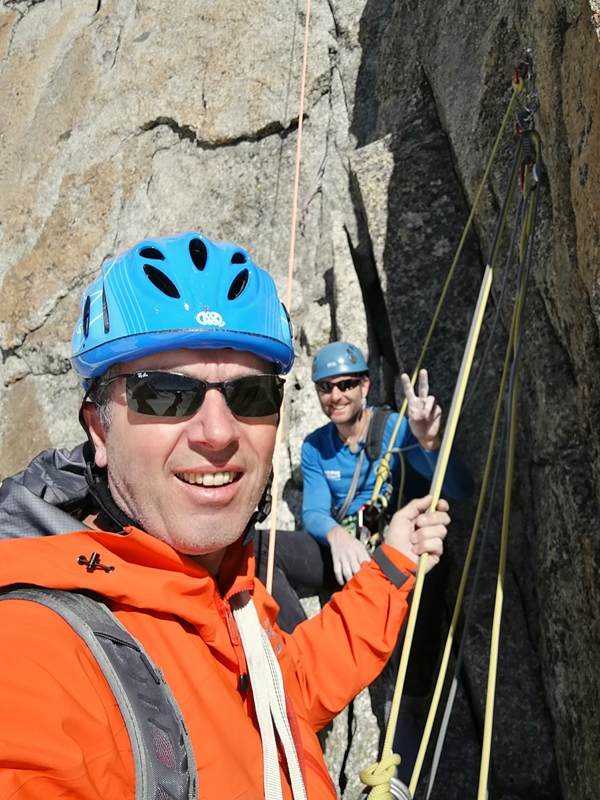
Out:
{"x": 336, "y": 393}
{"x": 213, "y": 425}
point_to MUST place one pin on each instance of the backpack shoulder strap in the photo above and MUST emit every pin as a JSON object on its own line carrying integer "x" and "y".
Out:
{"x": 162, "y": 750}
{"x": 374, "y": 438}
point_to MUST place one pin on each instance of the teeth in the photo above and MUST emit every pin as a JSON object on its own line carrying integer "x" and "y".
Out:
{"x": 207, "y": 478}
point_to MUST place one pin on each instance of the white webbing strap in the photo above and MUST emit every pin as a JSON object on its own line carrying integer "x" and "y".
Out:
{"x": 269, "y": 700}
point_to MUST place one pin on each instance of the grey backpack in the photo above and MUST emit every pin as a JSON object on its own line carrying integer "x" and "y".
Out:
{"x": 165, "y": 768}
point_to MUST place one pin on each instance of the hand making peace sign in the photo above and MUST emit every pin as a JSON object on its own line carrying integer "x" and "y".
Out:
{"x": 424, "y": 416}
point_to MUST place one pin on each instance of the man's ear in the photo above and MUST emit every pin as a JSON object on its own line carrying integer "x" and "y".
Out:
{"x": 96, "y": 432}
{"x": 364, "y": 386}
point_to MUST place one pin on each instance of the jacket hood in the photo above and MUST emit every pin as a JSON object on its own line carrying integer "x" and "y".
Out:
{"x": 38, "y": 500}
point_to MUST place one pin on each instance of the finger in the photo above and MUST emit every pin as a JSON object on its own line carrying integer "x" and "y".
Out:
{"x": 359, "y": 556}
{"x": 347, "y": 568}
{"x": 428, "y": 406}
{"x": 431, "y": 562}
{"x": 441, "y": 505}
{"x": 337, "y": 569}
{"x": 429, "y": 533}
{"x": 431, "y": 547}
{"x": 423, "y": 384}
{"x": 407, "y": 387}
{"x": 354, "y": 565}
{"x": 415, "y": 507}
{"x": 424, "y": 521}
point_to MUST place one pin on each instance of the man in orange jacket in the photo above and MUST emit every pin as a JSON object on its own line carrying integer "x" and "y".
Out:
{"x": 180, "y": 346}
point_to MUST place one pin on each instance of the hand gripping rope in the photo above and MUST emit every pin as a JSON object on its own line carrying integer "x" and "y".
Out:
{"x": 525, "y": 159}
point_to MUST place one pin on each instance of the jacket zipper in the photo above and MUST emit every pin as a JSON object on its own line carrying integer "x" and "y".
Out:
{"x": 316, "y": 767}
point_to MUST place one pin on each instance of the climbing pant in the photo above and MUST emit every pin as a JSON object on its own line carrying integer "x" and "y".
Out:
{"x": 300, "y": 562}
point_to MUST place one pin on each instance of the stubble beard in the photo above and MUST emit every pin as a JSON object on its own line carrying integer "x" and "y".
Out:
{"x": 209, "y": 533}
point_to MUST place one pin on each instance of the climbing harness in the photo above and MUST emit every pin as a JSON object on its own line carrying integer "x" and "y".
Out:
{"x": 371, "y": 448}
{"x": 525, "y": 167}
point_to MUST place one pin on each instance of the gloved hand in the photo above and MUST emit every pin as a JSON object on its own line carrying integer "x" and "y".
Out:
{"x": 347, "y": 553}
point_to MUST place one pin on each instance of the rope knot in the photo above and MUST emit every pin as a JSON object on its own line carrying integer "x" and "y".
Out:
{"x": 378, "y": 776}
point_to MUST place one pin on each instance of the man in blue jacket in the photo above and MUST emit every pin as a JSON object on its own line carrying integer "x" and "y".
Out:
{"x": 339, "y": 477}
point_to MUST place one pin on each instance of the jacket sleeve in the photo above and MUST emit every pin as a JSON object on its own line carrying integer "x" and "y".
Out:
{"x": 62, "y": 733}
{"x": 341, "y": 650}
{"x": 458, "y": 481}
{"x": 316, "y": 496}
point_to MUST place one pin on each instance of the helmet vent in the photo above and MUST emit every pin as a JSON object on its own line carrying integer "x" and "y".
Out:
{"x": 163, "y": 283}
{"x": 198, "y": 253}
{"x": 152, "y": 252}
{"x": 86, "y": 316}
{"x": 105, "y": 312}
{"x": 238, "y": 284}
{"x": 238, "y": 258}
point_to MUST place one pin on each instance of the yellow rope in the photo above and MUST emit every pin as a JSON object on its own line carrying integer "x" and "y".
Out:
{"x": 493, "y": 669}
{"x": 436, "y": 488}
{"x": 382, "y": 767}
{"x": 383, "y": 469}
{"x": 463, "y": 581}
{"x": 497, "y": 619}
{"x": 453, "y": 625}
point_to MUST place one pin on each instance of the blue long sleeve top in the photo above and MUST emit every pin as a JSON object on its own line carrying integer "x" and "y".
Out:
{"x": 328, "y": 467}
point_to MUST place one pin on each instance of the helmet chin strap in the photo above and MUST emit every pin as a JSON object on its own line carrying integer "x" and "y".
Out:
{"x": 97, "y": 481}
{"x": 262, "y": 511}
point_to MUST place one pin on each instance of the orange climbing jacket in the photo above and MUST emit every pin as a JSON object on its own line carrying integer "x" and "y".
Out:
{"x": 62, "y": 735}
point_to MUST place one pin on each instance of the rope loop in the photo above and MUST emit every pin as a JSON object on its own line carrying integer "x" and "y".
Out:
{"x": 378, "y": 776}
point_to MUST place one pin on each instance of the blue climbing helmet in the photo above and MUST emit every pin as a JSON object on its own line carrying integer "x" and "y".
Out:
{"x": 174, "y": 292}
{"x": 338, "y": 358}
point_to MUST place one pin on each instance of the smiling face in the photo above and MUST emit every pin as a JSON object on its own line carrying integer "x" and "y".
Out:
{"x": 344, "y": 408}
{"x": 191, "y": 482}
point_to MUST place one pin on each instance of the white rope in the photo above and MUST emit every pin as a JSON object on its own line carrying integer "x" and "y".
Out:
{"x": 269, "y": 700}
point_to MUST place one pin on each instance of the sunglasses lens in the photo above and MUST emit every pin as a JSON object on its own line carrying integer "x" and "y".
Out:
{"x": 164, "y": 394}
{"x": 349, "y": 383}
{"x": 326, "y": 387}
{"x": 254, "y": 395}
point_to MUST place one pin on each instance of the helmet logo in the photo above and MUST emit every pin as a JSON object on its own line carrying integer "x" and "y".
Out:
{"x": 210, "y": 318}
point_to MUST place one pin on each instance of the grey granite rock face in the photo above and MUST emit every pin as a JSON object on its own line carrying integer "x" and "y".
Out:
{"x": 123, "y": 120}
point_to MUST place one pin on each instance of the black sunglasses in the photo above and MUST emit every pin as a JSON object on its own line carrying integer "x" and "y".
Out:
{"x": 326, "y": 387}
{"x": 169, "y": 394}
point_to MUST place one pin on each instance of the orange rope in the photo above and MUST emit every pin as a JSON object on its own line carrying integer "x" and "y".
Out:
{"x": 288, "y": 303}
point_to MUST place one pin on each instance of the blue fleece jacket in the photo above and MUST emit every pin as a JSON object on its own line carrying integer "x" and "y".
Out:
{"x": 328, "y": 467}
